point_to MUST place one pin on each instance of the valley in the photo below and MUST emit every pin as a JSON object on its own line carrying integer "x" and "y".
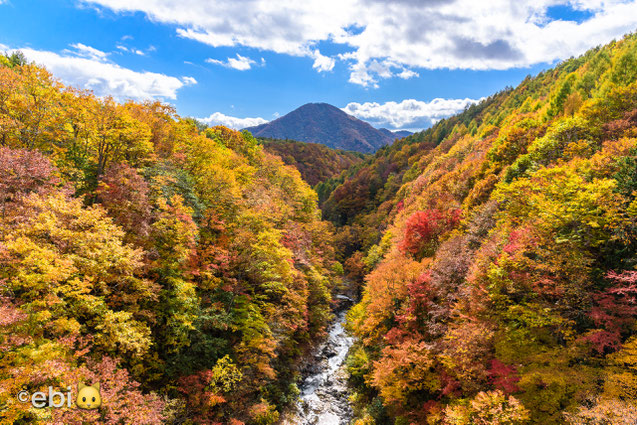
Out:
{"x": 317, "y": 270}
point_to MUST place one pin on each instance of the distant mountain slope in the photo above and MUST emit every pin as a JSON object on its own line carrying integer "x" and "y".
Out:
{"x": 398, "y": 134}
{"x": 316, "y": 163}
{"x": 325, "y": 124}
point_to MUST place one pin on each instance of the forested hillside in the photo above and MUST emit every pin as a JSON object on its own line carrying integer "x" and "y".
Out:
{"x": 498, "y": 251}
{"x": 363, "y": 200}
{"x": 316, "y": 163}
{"x": 186, "y": 272}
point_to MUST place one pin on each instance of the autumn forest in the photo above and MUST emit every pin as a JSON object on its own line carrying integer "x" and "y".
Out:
{"x": 191, "y": 270}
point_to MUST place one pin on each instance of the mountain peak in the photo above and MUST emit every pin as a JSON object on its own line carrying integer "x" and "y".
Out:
{"x": 328, "y": 125}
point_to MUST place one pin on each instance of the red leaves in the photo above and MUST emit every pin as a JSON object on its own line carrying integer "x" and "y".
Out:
{"x": 518, "y": 239}
{"x": 449, "y": 386}
{"x": 624, "y": 126}
{"x": 395, "y": 336}
{"x": 23, "y": 171}
{"x": 503, "y": 377}
{"x": 614, "y": 311}
{"x": 423, "y": 229}
{"x": 124, "y": 193}
{"x": 196, "y": 389}
{"x": 420, "y": 292}
{"x": 9, "y": 313}
{"x": 10, "y": 317}
{"x": 122, "y": 399}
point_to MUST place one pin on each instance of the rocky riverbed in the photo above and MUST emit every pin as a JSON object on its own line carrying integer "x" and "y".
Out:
{"x": 324, "y": 394}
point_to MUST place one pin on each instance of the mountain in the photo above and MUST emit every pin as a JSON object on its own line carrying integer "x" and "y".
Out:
{"x": 398, "y": 134}
{"x": 325, "y": 124}
{"x": 316, "y": 163}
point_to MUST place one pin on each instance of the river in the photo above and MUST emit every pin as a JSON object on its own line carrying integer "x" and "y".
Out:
{"x": 324, "y": 393}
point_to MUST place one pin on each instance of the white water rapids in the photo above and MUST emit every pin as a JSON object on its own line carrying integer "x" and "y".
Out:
{"x": 324, "y": 395}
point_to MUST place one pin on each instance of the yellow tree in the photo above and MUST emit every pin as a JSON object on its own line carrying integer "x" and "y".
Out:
{"x": 118, "y": 136}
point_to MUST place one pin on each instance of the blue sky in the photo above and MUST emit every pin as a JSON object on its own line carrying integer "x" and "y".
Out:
{"x": 399, "y": 64}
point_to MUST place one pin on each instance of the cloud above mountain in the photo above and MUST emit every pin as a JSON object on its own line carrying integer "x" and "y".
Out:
{"x": 232, "y": 122}
{"x": 392, "y": 39}
{"x": 409, "y": 113}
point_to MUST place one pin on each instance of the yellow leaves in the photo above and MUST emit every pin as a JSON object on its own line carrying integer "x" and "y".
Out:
{"x": 179, "y": 306}
{"x": 561, "y": 201}
{"x": 118, "y": 332}
{"x": 487, "y": 408}
{"x": 65, "y": 325}
{"x": 271, "y": 264}
{"x": 38, "y": 112}
{"x": 604, "y": 162}
{"x": 174, "y": 232}
{"x": 404, "y": 369}
{"x": 263, "y": 413}
{"x": 533, "y": 316}
{"x": 41, "y": 266}
{"x": 225, "y": 375}
{"x": 604, "y": 412}
{"x": 359, "y": 364}
{"x": 42, "y": 316}
{"x": 622, "y": 385}
{"x": 466, "y": 345}
{"x": 365, "y": 420}
{"x": 116, "y": 136}
{"x": 621, "y": 381}
{"x": 80, "y": 289}
{"x": 386, "y": 285}
{"x": 617, "y": 404}
{"x": 578, "y": 149}
{"x": 70, "y": 265}
{"x": 631, "y": 211}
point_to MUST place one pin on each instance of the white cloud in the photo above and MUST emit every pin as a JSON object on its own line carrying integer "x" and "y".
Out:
{"x": 134, "y": 50}
{"x": 409, "y": 113}
{"x": 88, "y": 68}
{"x": 88, "y": 52}
{"x": 368, "y": 74}
{"x": 391, "y": 39}
{"x": 232, "y": 122}
{"x": 322, "y": 63}
{"x": 406, "y": 74}
{"x": 240, "y": 63}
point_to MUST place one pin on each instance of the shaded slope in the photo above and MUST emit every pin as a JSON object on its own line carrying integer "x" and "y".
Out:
{"x": 315, "y": 162}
